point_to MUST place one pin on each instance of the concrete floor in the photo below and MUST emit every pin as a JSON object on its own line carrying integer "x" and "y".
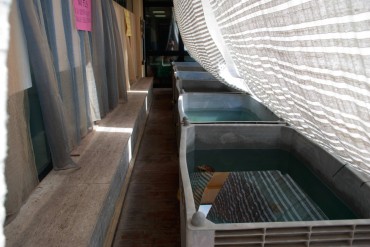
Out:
{"x": 150, "y": 214}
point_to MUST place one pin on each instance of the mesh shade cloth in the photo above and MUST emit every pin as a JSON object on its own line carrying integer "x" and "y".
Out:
{"x": 196, "y": 37}
{"x": 47, "y": 84}
{"x": 307, "y": 60}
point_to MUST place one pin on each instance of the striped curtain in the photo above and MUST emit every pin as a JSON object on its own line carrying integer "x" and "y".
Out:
{"x": 78, "y": 76}
{"x": 307, "y": 60}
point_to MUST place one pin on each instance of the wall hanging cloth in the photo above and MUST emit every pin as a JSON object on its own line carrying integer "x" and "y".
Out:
{"x": 77, "y": 76}
{"x": 20, "y": 169}
{"x": 19, "y": 75}
{"x": 46, "y": 81}
{"x": 107, "y": 56}
{"x": 77, "y": 72}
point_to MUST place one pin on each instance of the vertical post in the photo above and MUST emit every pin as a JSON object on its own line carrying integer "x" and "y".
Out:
{"x": 181, "y": 50}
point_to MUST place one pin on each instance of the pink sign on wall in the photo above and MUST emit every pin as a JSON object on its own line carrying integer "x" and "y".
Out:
{"x": 82, "y": 14}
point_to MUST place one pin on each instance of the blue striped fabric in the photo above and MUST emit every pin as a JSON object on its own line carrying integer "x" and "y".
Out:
{"x": 199, "y": 181}
{"x": 262, "y": 196}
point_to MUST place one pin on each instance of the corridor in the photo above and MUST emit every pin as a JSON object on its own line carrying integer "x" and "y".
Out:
{"x": 150, "y": 214}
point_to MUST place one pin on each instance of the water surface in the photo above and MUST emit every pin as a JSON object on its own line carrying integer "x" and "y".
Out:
{"x": 274, "y": 159}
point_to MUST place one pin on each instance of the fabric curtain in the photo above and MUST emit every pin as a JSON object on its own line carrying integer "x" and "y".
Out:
{"x": 307, "y": 60}
{"x": 114, "y": 55}
{"x": 131, "y": 44}
{"x": 93, "y": 111}
{"x": 107, "y": 56}
{"x": 119, "y": 65}
{"x": 120, "y": 15}
{"x": 173, "y": 35}
{"x": 79, "y": 77}
{"x": 98, "y": 57}
{"x": 47, "y": 85}
{"x": 20, "y": 169}
{"x": 17, "y": 60}
{"x": 65, "y": 45}
{"x": 87, "y": 65}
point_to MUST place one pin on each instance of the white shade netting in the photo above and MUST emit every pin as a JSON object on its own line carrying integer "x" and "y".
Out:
{"x": 307, "y": 60}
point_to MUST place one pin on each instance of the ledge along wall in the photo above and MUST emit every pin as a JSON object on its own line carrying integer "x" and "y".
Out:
{"x": 76, "y": 207}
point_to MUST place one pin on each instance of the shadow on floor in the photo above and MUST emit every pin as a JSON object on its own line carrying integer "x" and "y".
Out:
{"x": 150, "y": 215}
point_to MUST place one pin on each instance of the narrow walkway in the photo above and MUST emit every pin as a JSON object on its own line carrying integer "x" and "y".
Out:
{"x": 150, "y": 215}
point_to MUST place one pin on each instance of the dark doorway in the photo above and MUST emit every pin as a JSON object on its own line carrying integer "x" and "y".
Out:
{"x": 163, "y": 42}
